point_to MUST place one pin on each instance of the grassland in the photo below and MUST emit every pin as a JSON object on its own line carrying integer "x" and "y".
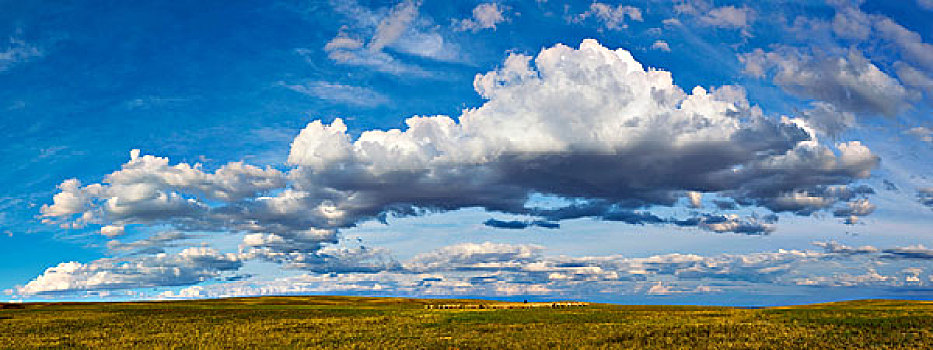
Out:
{"x": 371, "y": 323}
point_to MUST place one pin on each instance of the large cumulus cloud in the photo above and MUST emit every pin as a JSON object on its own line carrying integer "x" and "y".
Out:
{"x": 590, "y": 125}
{"x": 587, "y": 123}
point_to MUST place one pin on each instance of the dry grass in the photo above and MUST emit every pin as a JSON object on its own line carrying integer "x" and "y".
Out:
{"x": 367, "y": 323}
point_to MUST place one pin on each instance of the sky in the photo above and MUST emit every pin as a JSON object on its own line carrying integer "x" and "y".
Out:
{"x": 649, "y": 152}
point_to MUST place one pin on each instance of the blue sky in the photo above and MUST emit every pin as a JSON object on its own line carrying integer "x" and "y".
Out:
{"x": 643, "y": 151}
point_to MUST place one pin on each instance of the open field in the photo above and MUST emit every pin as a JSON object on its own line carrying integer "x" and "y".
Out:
{"x": 365, "y": 323}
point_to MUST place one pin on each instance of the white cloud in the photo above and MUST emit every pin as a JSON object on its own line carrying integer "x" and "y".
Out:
{"x": 735, "y": 223}
{"x": 148, "y": 189}
{"x": 112, "y": 230}
{"x": 16, "y": 52}
{"x": 492, "y": 269}
{"x": 909, "y": 43}
{"x": 730, "y": 17}
{"x": 923, "y": 133}
{"x": 485, "y": 16}
{"x": 661, "y": 45}
{"x": 190, "y": 266}
{"x": 553, "y": 110}
{"x": 915, "y": 78}
{"x": 850, "y": 83}
{"x": 591, "y": 125}
{"x": 696, "y": 199}
{"x": 399, "y": 28}
{"x": 851, "y": 23}
{"x": 349, "y": 50}
{"x": 495, "y": 269}
{"x": 154, "y": 244}
{"x": 851, "y": 211}
{"x": 879, "y": 35}
{"x": 576, "y": 109}
{"x": 393, "y": 25}
{"x": 837, "y": 248}
{"x": 925, "y": 4}
{"x": 472, "y": 256}
{"x": 867, "y": 279}
{"x": 308, "y": 253}
{"x": 613, "y": 18}
{"x": 671, "y": 22}
{"x": 825, "y": 118}
{"x": 353, "y": 95}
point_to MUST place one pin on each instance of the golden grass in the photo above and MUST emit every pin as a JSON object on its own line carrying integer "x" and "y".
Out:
{"x": 381, "y": 323}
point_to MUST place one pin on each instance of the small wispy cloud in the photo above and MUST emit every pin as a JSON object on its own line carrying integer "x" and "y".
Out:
{"x": 729, "y": 17}
{"x": 17, "y": 51}
{"x": 376, "y": 37}
{"x": 346, "y": 94}
{"x": 611, "y": 17}
{"x": 923, "y": 133}
{"x": 485, "y": 16}
{"x": 661, "y": 45}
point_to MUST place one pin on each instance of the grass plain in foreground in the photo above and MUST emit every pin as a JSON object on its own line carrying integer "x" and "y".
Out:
{"x": 368, "y": 323}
